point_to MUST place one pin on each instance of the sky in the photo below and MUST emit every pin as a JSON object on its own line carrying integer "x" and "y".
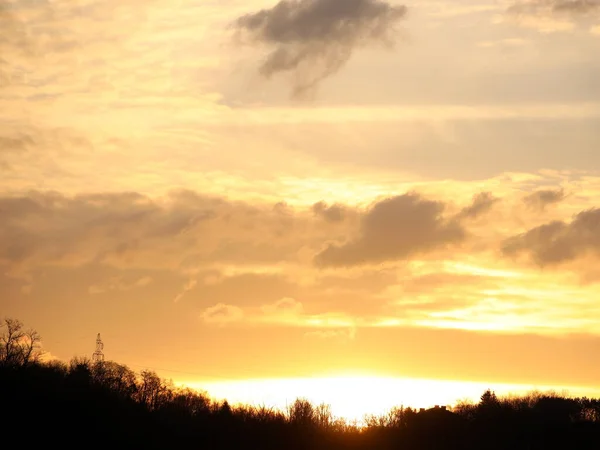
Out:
{"x": 253, "y": 190}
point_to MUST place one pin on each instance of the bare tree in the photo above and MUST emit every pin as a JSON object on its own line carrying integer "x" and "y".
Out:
{"x": 18, "y": 347}
{"x": 323, "y": 416}
{"x": 152, "y": 390}
{"x": 117, "y": 377}
{"x": 301, "y": 412}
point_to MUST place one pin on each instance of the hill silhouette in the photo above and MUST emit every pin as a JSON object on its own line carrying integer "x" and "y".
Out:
{"x": 105, "y": 404}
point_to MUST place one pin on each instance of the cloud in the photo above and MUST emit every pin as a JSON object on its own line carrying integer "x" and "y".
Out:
{"x": 118, "y": 283}
{"x": 284, "y": 307}
{"x": 16, "y": 144}
{"x": 182, "y": 231}
{"x": 574, "y": 6}
{"x": 47, "y": 357}
{"x": 191, "y": 284}
{"x": 333, "y": 213}
{"x": 548, "y": 16}
{"x": 482, "y": 203}
{"x": 558, "y": 241}
{"x": 14, "y": 32}
{"x": 314, "y": 39}
{"x": 571, "y": 7}
{"x": 222, "y": 314}
{"x": 395, "y": 229}
{"x": 416, "y": 285}
{"x": 195, "y": 235}
{"x": 504, "y": 43}
{"x": 538, "y": 200}
{"x": 344, "y": 334}
{"x": 272, "y": 297}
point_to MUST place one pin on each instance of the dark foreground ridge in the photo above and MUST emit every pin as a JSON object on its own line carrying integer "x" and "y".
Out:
{"x": 105, "y": 404}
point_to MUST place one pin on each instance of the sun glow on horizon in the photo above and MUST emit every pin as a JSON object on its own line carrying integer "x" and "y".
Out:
{"x": 415, "y": 193}
{"x": 354, "y": 396}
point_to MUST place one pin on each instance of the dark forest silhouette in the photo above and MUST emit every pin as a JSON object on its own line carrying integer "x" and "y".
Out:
{"x": 105, "y": 404}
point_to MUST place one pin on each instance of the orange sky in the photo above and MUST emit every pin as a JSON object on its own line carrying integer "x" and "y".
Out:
{"x": 225, "y": 193}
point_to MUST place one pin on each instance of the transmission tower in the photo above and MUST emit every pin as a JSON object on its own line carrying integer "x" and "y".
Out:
{"x": 98, "y": 356}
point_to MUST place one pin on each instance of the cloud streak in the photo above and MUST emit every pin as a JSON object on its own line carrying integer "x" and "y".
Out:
{"x": 482, "y": 203}
{"x": 550, "y": 16}
{"x": 539, "y": 200}
{"x": 118, "y": 283}
{"x": 222, "y": 314}
{"x": 574, "y": 7}
{"x": 314, "y": 39}
{"x": 284, "y": 307}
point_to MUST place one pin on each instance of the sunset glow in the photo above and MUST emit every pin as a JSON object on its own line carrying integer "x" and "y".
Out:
{"x": 346, "y": 201}
{"x": 353, "y": 397}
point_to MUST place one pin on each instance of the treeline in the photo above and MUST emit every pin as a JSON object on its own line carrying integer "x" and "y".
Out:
{"x": 107, "y": 405}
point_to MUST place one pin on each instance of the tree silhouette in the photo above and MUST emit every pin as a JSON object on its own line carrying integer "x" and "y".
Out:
{"x": 106, "y": 404}
{"x": 18, "y": 347}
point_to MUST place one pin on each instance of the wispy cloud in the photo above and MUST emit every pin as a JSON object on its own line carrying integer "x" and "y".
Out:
{"x": 344, "y": 334}
{"x": 549, "y": 16}
{"x": 314, "y": 39}
{"x": 191, "y": 284}
{"x": 284, "y": 307}
{"x": 119, "y": 283}
{"x": 574, "y": 7}
{"x": 222, "y": 314}
{"x": 538, "y": 200}
{"x": 482, "y": 203}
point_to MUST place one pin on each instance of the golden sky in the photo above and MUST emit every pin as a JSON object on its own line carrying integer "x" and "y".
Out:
{"x": 262, "y": 190}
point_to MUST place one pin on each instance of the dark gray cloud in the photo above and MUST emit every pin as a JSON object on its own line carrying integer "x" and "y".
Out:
{"x": 313, "y": 39}
{"x": 394, "y": 229}
{"x": 558, "y": 242}
{"x": 482, "y": 203}
{"x": 538, "y": 200}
